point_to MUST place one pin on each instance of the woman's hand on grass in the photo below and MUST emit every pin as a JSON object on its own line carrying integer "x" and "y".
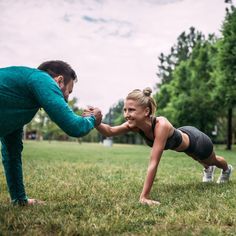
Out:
{"x": 144, "y": 200}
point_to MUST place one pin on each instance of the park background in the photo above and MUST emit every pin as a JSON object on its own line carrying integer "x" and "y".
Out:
{"x": 90, "y": 189}
{"x": 195, "y": 84}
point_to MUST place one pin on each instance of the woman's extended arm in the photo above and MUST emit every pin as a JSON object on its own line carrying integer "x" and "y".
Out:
{"x": 109, "y": 131}
{"x": 161, "y": 135}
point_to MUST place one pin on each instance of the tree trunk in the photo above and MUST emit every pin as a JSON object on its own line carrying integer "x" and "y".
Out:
{"x": 229, "y": 129}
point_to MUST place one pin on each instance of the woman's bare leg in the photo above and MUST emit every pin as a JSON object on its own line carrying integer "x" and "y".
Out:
{"x": 217, "y": 161}
{"x": 196, "y": 159}
{"x": 209, "y": 165}
{"x": 221, "y": 163}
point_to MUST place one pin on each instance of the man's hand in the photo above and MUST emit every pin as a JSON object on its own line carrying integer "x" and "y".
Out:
{"x": 31, "y": 202}
{"x": 93, "y": 111}
{"x": 144, "y": 200}
{"x": 98, "y": 114}
{"x": 88, "y": 111}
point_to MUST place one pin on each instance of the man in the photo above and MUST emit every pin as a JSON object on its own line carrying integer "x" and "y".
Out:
{"x": 23, "y": 91}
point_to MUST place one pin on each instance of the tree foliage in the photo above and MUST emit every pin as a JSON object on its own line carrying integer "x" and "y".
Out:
{"x": 227, "y": 56}
{"x": 227, "y": 64}
{"x": 179, "y": 52}
{"x": 186, "y": 98}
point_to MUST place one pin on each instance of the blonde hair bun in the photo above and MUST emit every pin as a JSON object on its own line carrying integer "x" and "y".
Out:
{"x": 147, "y": 91}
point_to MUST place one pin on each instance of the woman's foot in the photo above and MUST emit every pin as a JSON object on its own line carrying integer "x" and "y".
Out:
{"x": 225, "y": 175}
{"x": 208, "y": 174}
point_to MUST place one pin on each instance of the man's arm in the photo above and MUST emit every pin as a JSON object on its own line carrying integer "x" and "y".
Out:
{"x": 49, "y": 96}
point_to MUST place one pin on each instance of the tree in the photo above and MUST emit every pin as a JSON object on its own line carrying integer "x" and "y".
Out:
{"x": 181, "y": 51}
{"x": 227, "y": 62}
{"x": 193, "y": 86}
{"x": 188, "y": 97}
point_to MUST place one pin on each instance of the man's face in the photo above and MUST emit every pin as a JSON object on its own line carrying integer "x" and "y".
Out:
{"x": 65, "y": 88}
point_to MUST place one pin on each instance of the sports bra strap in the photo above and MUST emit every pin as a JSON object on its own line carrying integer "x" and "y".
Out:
{"x": 154, "y": 120}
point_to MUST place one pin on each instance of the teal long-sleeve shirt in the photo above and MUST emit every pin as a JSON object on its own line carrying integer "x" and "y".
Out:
{"x": 22, "y": 92}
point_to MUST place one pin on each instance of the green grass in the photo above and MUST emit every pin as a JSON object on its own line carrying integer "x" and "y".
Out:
{"x": 94, "y": 190}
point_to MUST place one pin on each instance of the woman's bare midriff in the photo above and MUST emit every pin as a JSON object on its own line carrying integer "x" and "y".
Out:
{"x": 185, "y": 142}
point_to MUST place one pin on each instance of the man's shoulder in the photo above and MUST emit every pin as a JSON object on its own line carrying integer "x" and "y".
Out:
{"x": 40, "y": 80}
{"x": 18, "y": 68}
{"x": 39, "y": 75}
{"x": 18, "y": 71}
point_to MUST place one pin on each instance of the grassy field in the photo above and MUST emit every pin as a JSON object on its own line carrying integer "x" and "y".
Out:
{"x": 94, "y": 190}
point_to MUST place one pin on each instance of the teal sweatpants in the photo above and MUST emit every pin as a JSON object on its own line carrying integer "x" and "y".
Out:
{"x": 12, "y": 147}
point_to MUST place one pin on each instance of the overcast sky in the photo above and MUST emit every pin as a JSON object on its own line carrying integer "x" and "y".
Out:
{"x": 113, "y": 45}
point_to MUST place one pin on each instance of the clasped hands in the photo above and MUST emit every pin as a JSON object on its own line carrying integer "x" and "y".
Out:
{"x": 95, "y": 112}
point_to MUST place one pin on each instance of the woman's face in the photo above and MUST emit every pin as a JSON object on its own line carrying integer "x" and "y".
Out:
{"x": 134, "y": 113}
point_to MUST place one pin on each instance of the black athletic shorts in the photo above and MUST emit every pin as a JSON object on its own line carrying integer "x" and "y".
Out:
{"x": 200, "y": 145}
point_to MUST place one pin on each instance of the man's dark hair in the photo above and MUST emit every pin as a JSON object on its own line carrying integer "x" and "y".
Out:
{"x": 56, "y": 68}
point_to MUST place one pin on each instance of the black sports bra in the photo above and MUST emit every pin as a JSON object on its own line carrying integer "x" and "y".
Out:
{"x": 171, "y": 143}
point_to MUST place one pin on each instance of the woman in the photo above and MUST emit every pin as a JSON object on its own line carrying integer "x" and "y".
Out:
{"x": 158, "y": 132}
